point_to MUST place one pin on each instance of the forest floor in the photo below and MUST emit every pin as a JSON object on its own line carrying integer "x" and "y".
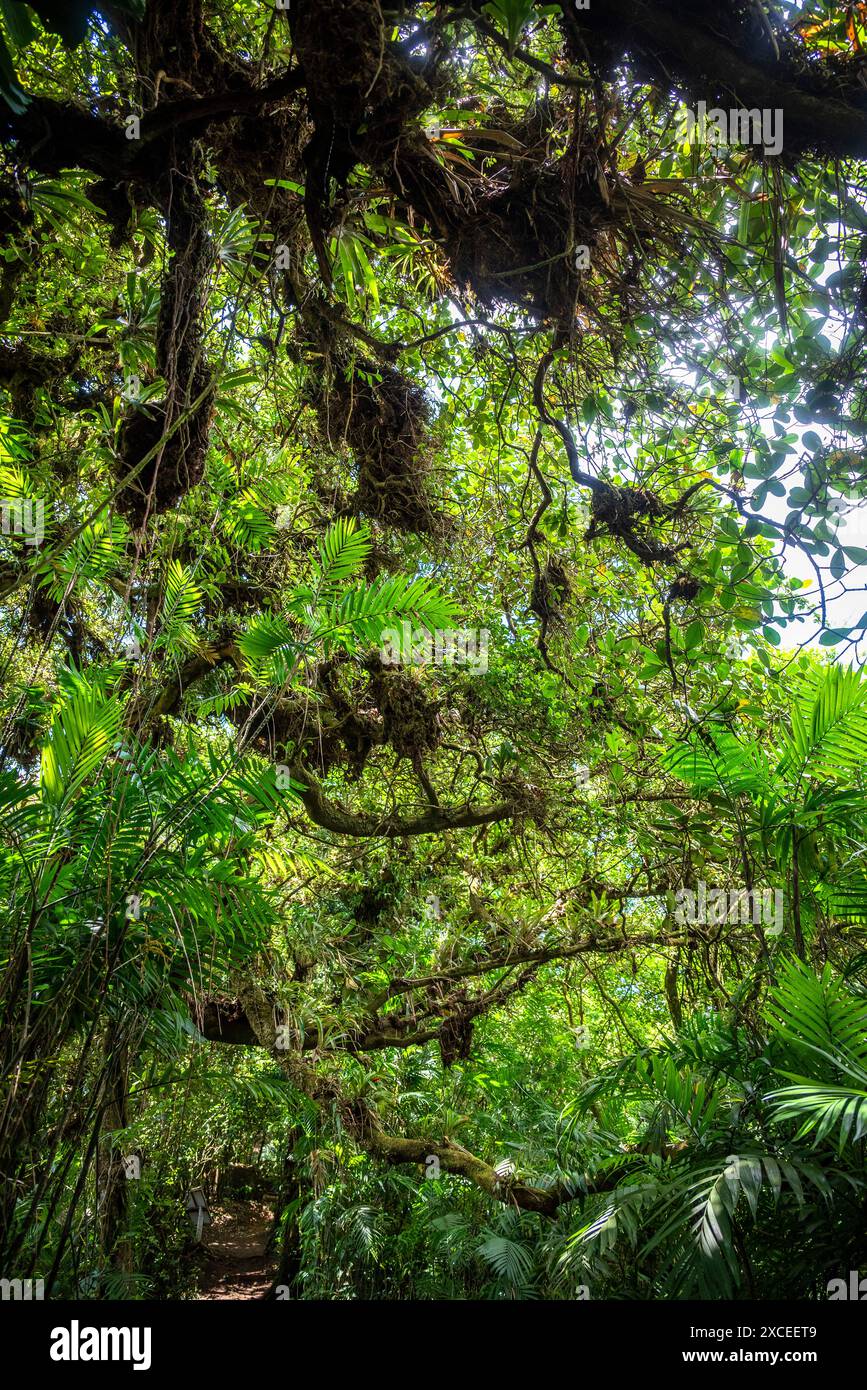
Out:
{"x": 236, "y": 1265}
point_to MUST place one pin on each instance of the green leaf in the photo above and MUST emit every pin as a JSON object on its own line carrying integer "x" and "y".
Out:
{"x": 342, "y": 552}
{"x": 10, "y": 89}
{"x": 17, "y": 22}
{"x": 82, "y": 736}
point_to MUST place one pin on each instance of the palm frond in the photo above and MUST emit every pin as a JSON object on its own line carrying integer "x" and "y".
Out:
{"x": 83, "y": 733}
{"x": 722, "y": 763}
{"x": 818, "y": 1014}
{"x": 341, "y": 553}
{"x": 366, "y": 612}
{"x": 821, "y": 1110}
{"x": 828, "y": 734}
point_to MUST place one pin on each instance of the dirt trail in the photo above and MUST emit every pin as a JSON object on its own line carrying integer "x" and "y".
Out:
{"x": 236, "y": 1266}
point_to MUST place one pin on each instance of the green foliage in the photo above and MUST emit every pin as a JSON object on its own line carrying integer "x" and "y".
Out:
{"x": 283, "y": 379}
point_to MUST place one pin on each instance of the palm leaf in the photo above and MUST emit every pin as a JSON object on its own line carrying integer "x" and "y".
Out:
{"x": 82, "y": 735}
{"x": 366, "y": 612}
{"x": 828, "y": 734}
{"x": 817, "y": 1013}
{"x": 822, "y": 1109}
{"x": 720, "y": 762}
{"x": 341, "y": 553}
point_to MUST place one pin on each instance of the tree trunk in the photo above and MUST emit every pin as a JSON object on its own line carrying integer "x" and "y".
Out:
{"x": 114, "y": 1199}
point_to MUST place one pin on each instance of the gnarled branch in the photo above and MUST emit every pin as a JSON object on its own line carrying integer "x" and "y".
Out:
{"x": 331, "y": 815}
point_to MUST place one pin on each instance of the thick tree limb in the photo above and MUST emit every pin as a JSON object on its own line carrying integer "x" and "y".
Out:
{"x": 330, "y": 815}
{"x": 676, "y": 42}
{"x": 540, "y": 956}
{"x": 224, "y": 1020}
{"x": 154, "y": 702}
{"x": 54, "y": 135}
{"x": 363, "y": 1125}
{"x": 50, "y": 136}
